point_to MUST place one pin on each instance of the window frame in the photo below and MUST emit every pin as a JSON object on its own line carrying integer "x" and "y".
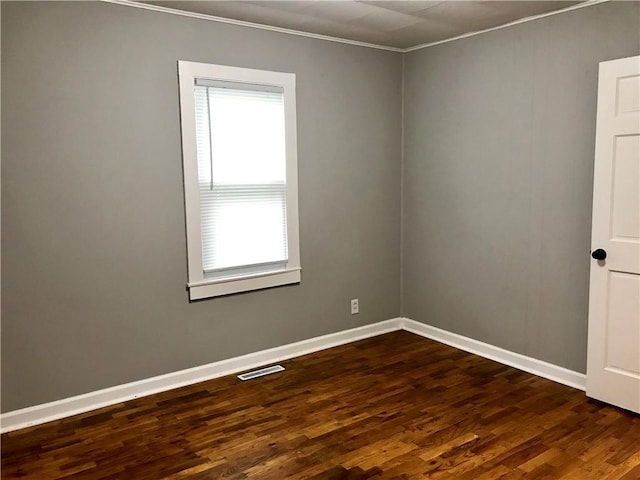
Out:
{"x": 199, "y": 286}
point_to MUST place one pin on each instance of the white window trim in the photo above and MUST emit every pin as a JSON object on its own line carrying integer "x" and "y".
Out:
{"x": 199, "y": 286}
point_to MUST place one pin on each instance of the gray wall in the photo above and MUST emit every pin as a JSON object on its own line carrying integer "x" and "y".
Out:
{"x": 93, "y": 236}
{"x": 498, "y": 171}
{"x": 498, "y": 152}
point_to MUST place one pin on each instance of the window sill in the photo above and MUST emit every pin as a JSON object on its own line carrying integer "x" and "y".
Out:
{"x": 225, "y": 286}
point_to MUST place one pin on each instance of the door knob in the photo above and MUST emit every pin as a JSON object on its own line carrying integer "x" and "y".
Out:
{"x": 599, "y": 254}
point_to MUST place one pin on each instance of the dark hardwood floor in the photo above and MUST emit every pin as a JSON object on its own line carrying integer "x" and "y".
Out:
{"x": 396, "y": 406}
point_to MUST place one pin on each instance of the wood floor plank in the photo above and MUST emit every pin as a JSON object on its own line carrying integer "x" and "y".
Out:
{"x": 393, "y": 407}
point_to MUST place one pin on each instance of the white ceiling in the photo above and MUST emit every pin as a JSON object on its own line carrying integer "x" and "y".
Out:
{"x": 399, "y": 24}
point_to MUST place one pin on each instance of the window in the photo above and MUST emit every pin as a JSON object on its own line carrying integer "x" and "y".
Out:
{"x": 240, "y": 178}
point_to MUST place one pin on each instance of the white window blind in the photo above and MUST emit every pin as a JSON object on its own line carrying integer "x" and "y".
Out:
{"x": 240, "y": 137}
{"x": 240, "y": 166}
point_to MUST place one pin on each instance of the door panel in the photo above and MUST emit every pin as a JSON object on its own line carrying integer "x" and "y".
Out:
{"x": 623, "y": 329}
{"x": 626, "y": 188}
{"x": 613, "y": 366}
{"x": 628, "y": 95}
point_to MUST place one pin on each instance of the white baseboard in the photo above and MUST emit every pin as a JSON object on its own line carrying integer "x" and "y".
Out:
{"x": 516, "y": 360}
{"x": 67, "y": 407}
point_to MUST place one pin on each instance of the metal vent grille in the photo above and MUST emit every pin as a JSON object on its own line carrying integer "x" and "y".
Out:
{"x": 261, "y": 373}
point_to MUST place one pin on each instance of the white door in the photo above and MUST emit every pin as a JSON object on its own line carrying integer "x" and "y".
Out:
{"x": 613, "y": 365}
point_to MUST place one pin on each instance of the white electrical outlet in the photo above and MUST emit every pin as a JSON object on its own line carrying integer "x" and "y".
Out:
{"x": 355, "y": 308}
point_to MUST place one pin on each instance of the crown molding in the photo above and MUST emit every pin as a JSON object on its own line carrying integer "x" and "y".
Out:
{"x": 588, "y": 3}
{"x": 242, "y": 23}
{"x": 288, "y": 31}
